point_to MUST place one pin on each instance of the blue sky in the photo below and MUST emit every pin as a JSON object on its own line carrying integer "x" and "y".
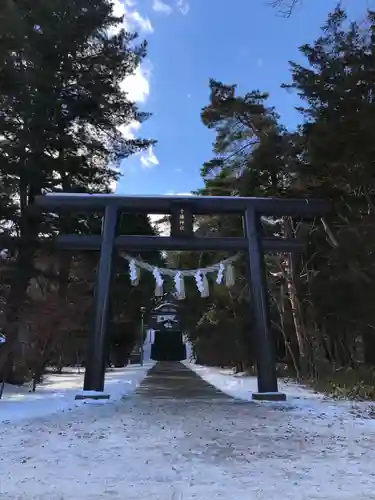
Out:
{"x": 239, "y": 41}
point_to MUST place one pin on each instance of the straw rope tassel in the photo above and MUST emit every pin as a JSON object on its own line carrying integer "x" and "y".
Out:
{"x": 134, "y": 273}
{"x": 158, "y": 290}
{"x": 229, "y": 275}
{"x": 158, "y": 283}
{"x": 138, "y": 275}
{"x": 180, "y": 286}
{"x": 206, "y": 288}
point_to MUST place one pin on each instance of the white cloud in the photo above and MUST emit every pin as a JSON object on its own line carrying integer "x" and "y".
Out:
{"x": 118, "y": 8}
{"x": 133, "y": 20}
{"x": 113, "y": 186}
{"x": 137, "y": 85}
{"x": 164, "y": 8}
{"x": 183, "y": 6}
{"x": 128, "y": 131}
{"x": 143, "y": 24}
{"x": 148, "y": 159}
{"x": 160, "y": 6}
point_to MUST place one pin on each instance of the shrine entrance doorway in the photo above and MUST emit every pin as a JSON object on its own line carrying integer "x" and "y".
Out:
{"x": 168, "y": 343}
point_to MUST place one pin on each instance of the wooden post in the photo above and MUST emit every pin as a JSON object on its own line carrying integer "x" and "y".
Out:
{"x": 266, "y": 361}
{"x": 95, "y": 362}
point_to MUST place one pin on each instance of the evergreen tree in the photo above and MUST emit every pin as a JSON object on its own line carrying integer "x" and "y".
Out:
{"x": 250, "y": 146}
{"x": 324, "y": 299}
{"x": 62, "y": 65}
{"x": 252, "y": 158}
{"x": 338, "y": 87}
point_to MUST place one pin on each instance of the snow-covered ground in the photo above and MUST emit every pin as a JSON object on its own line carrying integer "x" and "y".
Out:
{"x": 159, "y": 449}
{"x": 299, "y": 398}
{"x": 57, "y": 392}
{"x": 242, "y": 386}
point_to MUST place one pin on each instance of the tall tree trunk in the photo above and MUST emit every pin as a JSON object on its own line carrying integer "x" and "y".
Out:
{"x": 291, "y": 275}
{"x": 288, "y": 343}
{"x": 368, "y": 338}
{"x": 13, "y": 356}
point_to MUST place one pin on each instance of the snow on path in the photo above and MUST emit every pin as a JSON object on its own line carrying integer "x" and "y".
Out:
{"x": 183, "y": 450}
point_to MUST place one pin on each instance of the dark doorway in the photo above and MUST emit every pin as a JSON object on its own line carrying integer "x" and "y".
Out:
{"x": 168, "y": 346}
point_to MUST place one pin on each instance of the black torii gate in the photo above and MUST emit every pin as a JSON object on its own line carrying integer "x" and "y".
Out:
{"x": 182, "y": 210}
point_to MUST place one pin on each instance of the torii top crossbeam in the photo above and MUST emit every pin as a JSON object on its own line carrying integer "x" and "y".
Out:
{"x": 199, "y": 205}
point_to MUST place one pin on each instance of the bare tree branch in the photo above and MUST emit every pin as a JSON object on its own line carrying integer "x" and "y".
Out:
{"x": 285, "y": 7}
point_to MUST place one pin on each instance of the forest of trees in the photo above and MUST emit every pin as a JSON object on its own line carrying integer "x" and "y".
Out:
{"x": 322, "y": 302}
{"x": 62, "y": 63}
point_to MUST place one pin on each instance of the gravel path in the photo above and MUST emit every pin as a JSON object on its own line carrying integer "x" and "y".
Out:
{"x": 176, "y": 382}
{"x": 178, "y": 438}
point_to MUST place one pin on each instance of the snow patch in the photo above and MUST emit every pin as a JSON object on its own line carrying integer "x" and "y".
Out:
{"x": 57, "y": 391}
{"x": 300, "y": 399}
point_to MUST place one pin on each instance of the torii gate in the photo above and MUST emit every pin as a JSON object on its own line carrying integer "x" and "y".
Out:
{"x": 182, "y": 210}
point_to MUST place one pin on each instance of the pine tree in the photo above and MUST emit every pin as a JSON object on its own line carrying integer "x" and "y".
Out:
{"x": 62, "y": 65}
{"x": 337, "y": 88}
{"x": 252, "y": 158}
{"x": 250, "y": 148}
{"x": 330, "y": 290}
